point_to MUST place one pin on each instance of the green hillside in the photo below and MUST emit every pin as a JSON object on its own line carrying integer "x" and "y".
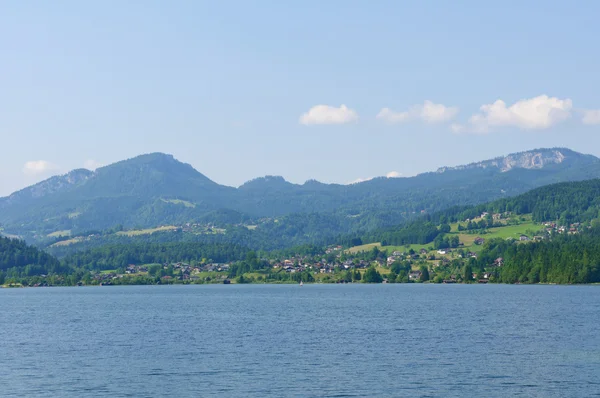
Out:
{"x": 17, "y": 260}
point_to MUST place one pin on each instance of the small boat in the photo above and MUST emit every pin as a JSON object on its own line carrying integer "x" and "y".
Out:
{"x": 301, "y": 284}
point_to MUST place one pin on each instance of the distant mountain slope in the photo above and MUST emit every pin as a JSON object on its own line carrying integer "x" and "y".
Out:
{"x": 156, "y": 189}
{"x": 130, "y": 192}
{"x": 53, "y": 185}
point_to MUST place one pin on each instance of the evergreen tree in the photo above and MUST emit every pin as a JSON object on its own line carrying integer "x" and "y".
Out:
{"x": 372, "y": 276}
{"x": 467, "y": 273}
{"x": 424, "y": 273}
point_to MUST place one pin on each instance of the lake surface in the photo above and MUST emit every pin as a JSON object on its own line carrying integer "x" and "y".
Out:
{"x": 309, "y": 341}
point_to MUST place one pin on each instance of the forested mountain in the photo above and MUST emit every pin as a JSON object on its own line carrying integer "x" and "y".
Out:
{"x": 156, "y": 189}
{"x": 565, "y": 203}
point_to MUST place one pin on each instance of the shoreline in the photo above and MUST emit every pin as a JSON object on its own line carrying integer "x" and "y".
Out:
{"x": 292, "y": 284}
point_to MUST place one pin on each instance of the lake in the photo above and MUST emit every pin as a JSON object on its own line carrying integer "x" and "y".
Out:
{"x": 421, "y": 340}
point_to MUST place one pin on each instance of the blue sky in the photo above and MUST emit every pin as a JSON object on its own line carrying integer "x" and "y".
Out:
{"x": 242, "y": 89}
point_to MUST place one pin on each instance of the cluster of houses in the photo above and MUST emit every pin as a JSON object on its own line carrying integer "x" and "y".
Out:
{"x": 323, "y": 267}
{"x": 398, "y": 255}
{"x": 333, "y": 249}
{"x": 200, "y": 228}
{"x": 299, "y": 263}
{"x": 561, "y": 229}
{"x": 183, "y": 271}
{"x": 495, "y": 216}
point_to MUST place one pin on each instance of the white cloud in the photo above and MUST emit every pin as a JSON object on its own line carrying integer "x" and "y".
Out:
{"x": 92, "y": 164}
{"x": 427, "y": 112}
{"x": 591, "y": 116}
{"x": 391, "y": 174}
{"x": 325, "y": 114}
{"x": 39, "y": 167}
{"x": 536, "y": 113}
{"x": 390, "y": 116}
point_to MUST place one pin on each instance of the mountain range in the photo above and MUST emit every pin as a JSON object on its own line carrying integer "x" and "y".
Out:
{"x": 156, "y": 189}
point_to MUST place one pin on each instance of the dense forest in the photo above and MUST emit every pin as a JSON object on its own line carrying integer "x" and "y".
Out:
{"x": 19, "y": 259}
{"x": 564, "y": 259}
{"x": 119, "y": 256}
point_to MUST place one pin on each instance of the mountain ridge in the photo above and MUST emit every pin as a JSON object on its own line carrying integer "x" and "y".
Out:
{"x": 149, "y": 190}
{"x": 532, "y": 159}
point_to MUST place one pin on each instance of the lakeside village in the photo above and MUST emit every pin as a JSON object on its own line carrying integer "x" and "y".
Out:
{"x": 457, "y": 260}
{"x": 336, "y": 265}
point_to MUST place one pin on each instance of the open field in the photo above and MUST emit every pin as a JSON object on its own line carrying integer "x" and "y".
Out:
{"x": 68, "y": 241}
{"x": 363, "y": 248}
{"x": 56, "y": 234}
{"x": 513, "y": 231}
{"x": 390, "y": 249}
{"x": 524, "y": 218}
{"x": 416, "y": 247}
{"x": 147, "y": 231}
{"x": 467, "y": 239}
{"x": 180, "y": 202}
{"x": 10, "y": 236}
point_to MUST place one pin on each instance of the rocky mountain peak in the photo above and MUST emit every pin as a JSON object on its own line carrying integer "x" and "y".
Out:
{"x": 534, "y": 159}
{"x": 51, "y": 185}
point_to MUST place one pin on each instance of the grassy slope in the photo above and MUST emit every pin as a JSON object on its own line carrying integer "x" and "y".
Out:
{"x": 505, "y": 232}
{"x": 147, "y": 231}
{"x": 180, "y": 202}
{"x": 68, "y": 241}
{"x": 66, "y": 232}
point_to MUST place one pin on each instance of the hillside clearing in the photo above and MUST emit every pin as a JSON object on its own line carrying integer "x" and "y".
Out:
{"x": 363, "y": 248}
{"x": 147, "y": 231}
{"x": 180, "y": 202}
{"x": 57, "y": 234}
{"x": 68, "y": 241}
{"x": 467, "y": 239}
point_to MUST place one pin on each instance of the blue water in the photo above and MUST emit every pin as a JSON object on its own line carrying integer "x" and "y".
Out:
{"x": 310, "y": 341}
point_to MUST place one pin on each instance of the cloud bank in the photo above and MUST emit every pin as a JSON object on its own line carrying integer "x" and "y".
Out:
{"x": 536, "y": 113}
{"x": 325, "y": 114}
{"x": 391, "y": 174}
{"x": 427, "y": 112}
{"x": 38, "y": 167}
